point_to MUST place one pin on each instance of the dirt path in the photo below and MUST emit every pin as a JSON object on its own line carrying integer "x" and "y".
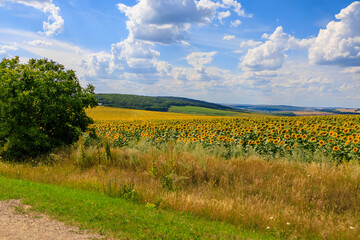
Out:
{"x": 17, "y": 224}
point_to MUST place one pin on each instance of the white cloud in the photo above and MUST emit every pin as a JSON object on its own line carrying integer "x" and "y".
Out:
{"x": 339, "y": 43}
{"x": 228, "y": 37}
{"x": 135, "y": 56}
{"x": 169, "y": 21}
{"x": 166, "y": 21}
{"x": 185, "y": 43}
{"x": 235, "y": 23}
{"x": 250, "y": 43}
{"x": 199, "y": 59}
{"x": 54, "y": 24}
{"x": 222, "y": 15}
{"x": 268, "y": 56}
{"x": 5, "y": 48}
{"x": 59, "y": 51}
{"x": 271, "y": 54}
{"x": 238, "y": 51}
{"x": 127, "y": 58}
{"x": 352, "y": 70}
{"x": 237, "y": 7}
{"x": 39, "y": 43}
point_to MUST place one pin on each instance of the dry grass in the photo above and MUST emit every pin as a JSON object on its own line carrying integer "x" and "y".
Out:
{"x": 290, "y": 199}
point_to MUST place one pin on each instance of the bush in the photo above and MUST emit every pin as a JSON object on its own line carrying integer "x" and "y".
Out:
{"x": 42, "y": 106}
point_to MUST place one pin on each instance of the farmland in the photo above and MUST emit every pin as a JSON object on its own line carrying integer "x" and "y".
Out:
{"x": 337, "y": 137}
{"x": 279, "y": 177}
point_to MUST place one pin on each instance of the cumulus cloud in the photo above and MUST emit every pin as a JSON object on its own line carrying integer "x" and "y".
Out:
{"x": 135, "y": 56}
{"x": 39, "y": 43}
{"x": 169, "y": 21}
{"x": 128, "y": 56}
{"x": 199, "y": 59}
{"x": 54, "y": 24}
{"x": 166, "y": 21}
{"x": 271, "y": 54}
{"x": 228, "y": 37}
{"x": 97, "y": 65}
{"x": 339, "y": 43}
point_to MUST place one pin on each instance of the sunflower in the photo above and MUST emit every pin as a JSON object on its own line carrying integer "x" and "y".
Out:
{"x": 304, "y": 136}
{"x": 313, "y": 139}
{"x": 336, "y": 148}
{"x": 288, "y": 148}
{"x": 355, "y": 149}
{"x": 321, "y": 143}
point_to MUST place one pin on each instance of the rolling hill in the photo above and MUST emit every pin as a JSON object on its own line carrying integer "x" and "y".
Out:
{"x": 162, "y": 104}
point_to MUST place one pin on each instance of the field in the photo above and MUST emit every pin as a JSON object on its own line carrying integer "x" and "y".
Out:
{"x": 208, "y": 111}
{"x": 273, "y": 177}
{"x": 102, "y": 113}
{"x": 336, "y": 137}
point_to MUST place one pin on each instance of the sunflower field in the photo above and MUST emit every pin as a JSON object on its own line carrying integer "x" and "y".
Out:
{"x": 337, "y": 136}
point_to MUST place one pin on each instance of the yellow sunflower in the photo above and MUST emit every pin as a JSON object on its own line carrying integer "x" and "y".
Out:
{"x": 336, "y": 148}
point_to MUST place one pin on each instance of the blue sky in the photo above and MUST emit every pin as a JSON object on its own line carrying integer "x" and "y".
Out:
{"x": 304, "y": 53}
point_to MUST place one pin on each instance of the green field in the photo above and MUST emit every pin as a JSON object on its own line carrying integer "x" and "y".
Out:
{"x": 115, "y": 216}
{"x": 204, "y": 111}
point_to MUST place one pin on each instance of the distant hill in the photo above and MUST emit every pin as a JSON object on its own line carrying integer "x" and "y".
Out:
{"x": 270, "y": 108}
{"x": 192, "y": 106}
{"x": 162, "y": 104}
{"x": 285, "y": 110}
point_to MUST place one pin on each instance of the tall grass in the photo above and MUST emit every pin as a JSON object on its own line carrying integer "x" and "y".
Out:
{"x": 289, "y": 198}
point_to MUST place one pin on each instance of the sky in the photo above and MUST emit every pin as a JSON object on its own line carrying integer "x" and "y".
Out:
{"x": 298, "y": 52}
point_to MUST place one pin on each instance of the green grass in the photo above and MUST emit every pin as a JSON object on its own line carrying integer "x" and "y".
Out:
{"x": 114, "y": 216}
{"x": 201, "y": 111}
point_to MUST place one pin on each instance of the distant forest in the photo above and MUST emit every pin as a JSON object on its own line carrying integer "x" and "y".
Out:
{"x": 154, "y": 103}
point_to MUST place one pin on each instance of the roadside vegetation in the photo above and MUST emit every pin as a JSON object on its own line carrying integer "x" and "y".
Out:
{"x": 117, "y": 217}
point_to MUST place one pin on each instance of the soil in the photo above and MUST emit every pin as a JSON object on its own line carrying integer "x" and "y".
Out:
{"x": 18, "y": 223}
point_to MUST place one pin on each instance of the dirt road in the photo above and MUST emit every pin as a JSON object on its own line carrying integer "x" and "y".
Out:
{"x": 17, "y": 224}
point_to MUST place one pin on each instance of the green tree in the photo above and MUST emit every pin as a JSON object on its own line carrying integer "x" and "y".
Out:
{"x": 42, "y": 106}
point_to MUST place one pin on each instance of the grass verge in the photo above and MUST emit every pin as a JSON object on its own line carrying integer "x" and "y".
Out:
{"x": 114, "y": 216}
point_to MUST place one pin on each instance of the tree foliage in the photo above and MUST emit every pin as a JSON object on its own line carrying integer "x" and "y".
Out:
{"x": 154, "y": 103}
{"x": 42, "y": 106}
